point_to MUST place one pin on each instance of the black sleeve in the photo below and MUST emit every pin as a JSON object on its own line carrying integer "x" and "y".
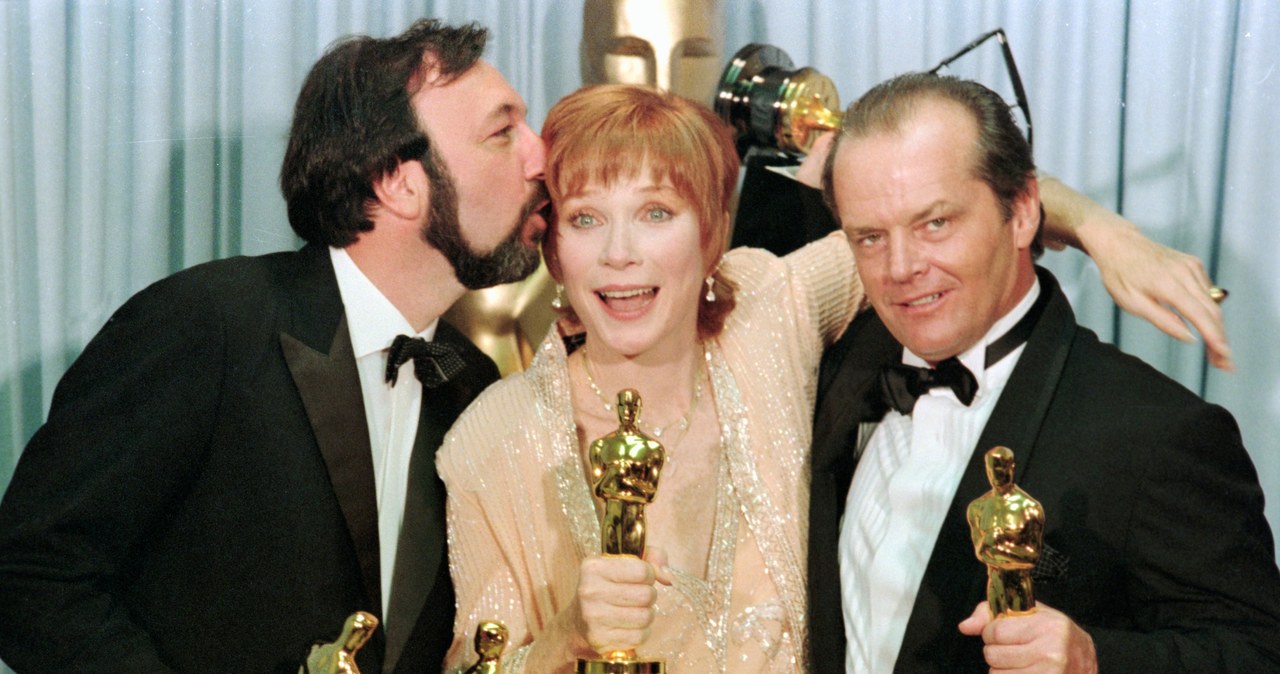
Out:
{"x": 1203, "y": 582}
{"x": 126, "y": 433}
{"x": 777, "y": 213}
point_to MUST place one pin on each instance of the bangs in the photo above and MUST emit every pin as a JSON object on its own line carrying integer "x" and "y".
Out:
{"x": 604, "y": 170}
{"x": 614, "y": 150}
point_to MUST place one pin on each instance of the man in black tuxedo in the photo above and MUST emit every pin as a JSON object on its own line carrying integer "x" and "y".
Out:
{"x": 244, "y": 455}
{"x": 1157, "y": 556}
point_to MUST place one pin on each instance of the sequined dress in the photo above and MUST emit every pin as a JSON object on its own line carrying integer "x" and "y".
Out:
{"x": 521, "y": 515}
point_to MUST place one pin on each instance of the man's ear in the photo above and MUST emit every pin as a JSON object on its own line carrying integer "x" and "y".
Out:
{"x": 1026, "y": 215}
{"x": 404, "y": 191}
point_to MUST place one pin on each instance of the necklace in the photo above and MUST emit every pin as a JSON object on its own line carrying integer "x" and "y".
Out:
{"x": 682, "y": 423}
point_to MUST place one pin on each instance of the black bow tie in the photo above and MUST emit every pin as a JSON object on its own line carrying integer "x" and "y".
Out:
{"x": 433, "y": 363}
{"x": 901, "y": 385}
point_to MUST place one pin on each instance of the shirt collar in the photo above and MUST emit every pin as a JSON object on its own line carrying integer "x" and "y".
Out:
{"x": 371, "y": 318}
{"x": 975, "y": 356}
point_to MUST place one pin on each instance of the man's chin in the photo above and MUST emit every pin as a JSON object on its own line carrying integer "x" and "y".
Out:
{"x": 510, "y": 262}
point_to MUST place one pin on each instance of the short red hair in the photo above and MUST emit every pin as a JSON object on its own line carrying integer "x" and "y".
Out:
{"x": 605, "y": 133}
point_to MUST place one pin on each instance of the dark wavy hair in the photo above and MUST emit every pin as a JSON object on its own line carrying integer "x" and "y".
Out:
{"x": 606, "y": 133}
{"x": 354, "y": 122}
{"x": 1001, "y": 155}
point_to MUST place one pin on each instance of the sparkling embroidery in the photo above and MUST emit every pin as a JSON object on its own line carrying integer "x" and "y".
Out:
{"x": 555, "y": 406}
{"x": 767, "y": 521}
{"x": 517, "y": 455}
{"x": 752, "y": 625}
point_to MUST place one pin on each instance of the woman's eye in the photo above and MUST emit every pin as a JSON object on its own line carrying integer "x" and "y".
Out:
{"x": 657, "y": 214}
{"x": 582, "y": 220}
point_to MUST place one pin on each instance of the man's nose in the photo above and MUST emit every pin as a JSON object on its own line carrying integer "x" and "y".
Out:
{"x": 905, "y": 259}
{"x": 535, "y": 153}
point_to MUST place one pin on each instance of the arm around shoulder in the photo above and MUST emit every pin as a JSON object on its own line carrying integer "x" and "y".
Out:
{"x": 829, "y": 275}
{"x": 1146, "y": 279}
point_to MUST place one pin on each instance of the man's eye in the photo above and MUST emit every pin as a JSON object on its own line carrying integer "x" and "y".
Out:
{"x": 936, "y": 224}
{"x": 868, "y": 239}
{"x": 505, "y": 132}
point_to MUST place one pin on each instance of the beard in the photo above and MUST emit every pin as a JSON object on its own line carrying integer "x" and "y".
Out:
{"x": 508, "y": 262}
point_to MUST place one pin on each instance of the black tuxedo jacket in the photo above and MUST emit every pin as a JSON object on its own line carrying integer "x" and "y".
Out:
{"x": 201, "y": 498}
{"x": 1155, "y": 538}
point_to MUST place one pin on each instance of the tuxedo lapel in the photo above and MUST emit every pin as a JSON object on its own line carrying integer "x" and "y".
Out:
{"x": 421, "y": 552}
{"x": 845, "y": 384}
{"x": 317, "y": 349}
{"x": 1015, "y": 422}
{"x": 849, "y": 369}
{"x": 330, "y": 388}
{"x": 955, "y": 581}
{"x": 420, "y": 549}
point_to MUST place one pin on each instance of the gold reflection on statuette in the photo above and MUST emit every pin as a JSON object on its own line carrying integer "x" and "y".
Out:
{"x": 339, "y": 655}
{"x": 625, "y": 467}
{"x": 1007, "y": 528}
{"x": 507, "y": 322}
{"x": 770, "y": 103}
{"x": 491, "y": 639}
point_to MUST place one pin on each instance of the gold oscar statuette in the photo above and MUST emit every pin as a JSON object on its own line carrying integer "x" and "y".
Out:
{"x": 491, "y": 639}
{"x": 768, "y": 102}
{"x": 339, "y": 656}
{"x": 1007, "y": 527}
{"x": 625, "y": 466}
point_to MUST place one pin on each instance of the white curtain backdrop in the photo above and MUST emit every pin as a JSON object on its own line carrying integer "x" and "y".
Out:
{"x": 139, "y": 138}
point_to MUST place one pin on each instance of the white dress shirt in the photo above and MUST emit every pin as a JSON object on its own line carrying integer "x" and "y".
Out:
{"x": 901, "y": 490}
{"x": 391, "y": 411}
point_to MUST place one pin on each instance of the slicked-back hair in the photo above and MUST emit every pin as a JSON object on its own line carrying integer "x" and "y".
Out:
{"x": 354, "y": 122}
{"x": 1001, "y": 156}
{"x": 606, "y": 133}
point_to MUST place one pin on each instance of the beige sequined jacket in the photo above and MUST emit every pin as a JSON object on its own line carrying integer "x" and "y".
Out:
{"x": 521, "y": 516}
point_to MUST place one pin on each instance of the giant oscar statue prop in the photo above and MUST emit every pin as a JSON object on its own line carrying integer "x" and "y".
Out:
{"x": 669, "y": 44}
{"x": 1007, "y": 527}
{"x": 625, "y": 466}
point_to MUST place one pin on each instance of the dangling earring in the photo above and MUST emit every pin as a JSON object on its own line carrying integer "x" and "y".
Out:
{"x": 557, "y": 302}
{"x": 711, "y": 293}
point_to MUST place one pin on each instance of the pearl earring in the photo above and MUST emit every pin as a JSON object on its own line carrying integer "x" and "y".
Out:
{"x": 557, "y": 302}
{"x": 711, "y": 293}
